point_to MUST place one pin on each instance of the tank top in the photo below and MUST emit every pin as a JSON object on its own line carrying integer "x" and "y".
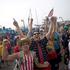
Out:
{"x": 26, "y": 62}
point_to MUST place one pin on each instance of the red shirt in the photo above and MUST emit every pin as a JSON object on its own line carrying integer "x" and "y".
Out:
{"x": 16, "y": 49}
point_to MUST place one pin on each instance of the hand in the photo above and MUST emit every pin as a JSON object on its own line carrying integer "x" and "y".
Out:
{"x": 30, "y": 21}
{"x": 39, "y": 65}
{"x": 15, "y": 23}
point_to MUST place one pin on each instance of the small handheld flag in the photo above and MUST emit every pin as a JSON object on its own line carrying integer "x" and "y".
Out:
{"x": 50, "y": 13}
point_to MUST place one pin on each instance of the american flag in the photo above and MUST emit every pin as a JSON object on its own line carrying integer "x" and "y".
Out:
{"x": 27, "y": 63}
{"x": 50, "y": 13}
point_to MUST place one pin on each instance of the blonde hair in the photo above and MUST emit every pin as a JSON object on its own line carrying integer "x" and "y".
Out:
{"x": 24, "y": 40}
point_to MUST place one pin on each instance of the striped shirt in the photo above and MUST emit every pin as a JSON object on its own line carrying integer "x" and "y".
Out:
{"x": 40, "y": 49}
{"x": 26, "y": 62}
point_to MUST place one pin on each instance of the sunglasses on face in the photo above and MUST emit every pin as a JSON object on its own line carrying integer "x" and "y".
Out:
{"x": 36, "y": 33}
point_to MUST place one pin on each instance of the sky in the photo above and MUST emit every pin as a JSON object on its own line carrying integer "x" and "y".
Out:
{"x": 19, "y": 9}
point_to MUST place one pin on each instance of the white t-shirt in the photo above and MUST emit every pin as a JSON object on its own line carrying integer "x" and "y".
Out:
{"x": 69, "y": 46}
{"x": 69, "y": 55}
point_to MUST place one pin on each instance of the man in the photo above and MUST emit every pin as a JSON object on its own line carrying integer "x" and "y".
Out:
{"x": 54, "y": 44}
{"x": 65, "y": 37}
{"x": 39, "y": 46}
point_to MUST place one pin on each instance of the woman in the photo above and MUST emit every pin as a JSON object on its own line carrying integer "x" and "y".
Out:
{"x": 25, "y": 57}
{"x": 54, "y": 46}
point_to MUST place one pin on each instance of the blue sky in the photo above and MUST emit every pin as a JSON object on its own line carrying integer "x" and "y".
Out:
{"x": 19, "y": 9}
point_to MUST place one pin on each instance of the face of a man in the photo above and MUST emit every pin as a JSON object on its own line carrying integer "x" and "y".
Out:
{"x": 36, "y": 36}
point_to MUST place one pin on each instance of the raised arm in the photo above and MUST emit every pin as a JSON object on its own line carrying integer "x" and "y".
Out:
{"x": 54, "y": 24}
{"x": 7, "y": 57}
{"x": 30, "y": 23}
{"x": 50, "y": 30}
{"x": 52, "y": 27}
{"x": 15, "y": 23}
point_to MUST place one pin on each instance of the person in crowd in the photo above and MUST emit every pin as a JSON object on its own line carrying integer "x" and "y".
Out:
{"x": 69, "y": 41}
{"x": 17, "y": 46}
{"x": 69, "y": 53}
{"x": 65, "y": 37}
{"x": 57, "y": 45}
{"x": 1, "y": 50}
{"x": 6, "y": 43}
{"x": 54, "y": 46}
{"x": 1, "y": 47}
{"x": 16, "y": 49}
{"x": 39, "y": 46}
{"x": 18, "y": 29}
{"x": 25, "y": 57}
{"x": 41, "y": 63}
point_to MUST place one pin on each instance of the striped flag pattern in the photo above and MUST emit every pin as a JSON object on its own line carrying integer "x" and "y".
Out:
{"x": 50, "y": 13}
{"x": 27, "y": 63}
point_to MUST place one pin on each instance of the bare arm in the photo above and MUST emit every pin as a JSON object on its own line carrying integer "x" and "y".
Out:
{"x": 11, "y": 57}
{"x": 15, "y": 23}
{"x": 52, "y": 27}
{"x": 8, "y": 57}
{"x": 49, "y": 31}
{"x": 30, "y": 22}
{"x": 55, "y": 24}
{"x": 39, "y": 65}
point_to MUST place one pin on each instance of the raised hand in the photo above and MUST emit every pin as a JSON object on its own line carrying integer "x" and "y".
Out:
{"x": 15, "y": 23}
{"x": 30, "y": 20}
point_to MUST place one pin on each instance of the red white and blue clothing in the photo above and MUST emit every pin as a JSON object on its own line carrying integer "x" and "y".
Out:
{"x": 41, "y": 53}
{"x": 26, "y": 61}
{"x": 40, "y": 48}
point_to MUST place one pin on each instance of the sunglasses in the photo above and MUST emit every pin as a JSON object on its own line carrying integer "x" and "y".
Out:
{"x": 36, "y": 33}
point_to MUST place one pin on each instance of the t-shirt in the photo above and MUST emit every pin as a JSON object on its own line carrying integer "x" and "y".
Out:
{"x": 69, "y": 46}
{"x": 26, "y": 62}
{"x": 65, "y": 40}
{"x": 8, "y": 46}
{"x": 53, "y": 46}
{"x": 16, "y": 49}
{"x": 42, "y": 45}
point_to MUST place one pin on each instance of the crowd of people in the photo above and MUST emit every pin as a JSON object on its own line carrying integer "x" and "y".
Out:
{"x": 33, "y": 51}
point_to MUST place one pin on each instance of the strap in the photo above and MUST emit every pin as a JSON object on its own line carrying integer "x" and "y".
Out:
{"x": 21, "y": 56}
